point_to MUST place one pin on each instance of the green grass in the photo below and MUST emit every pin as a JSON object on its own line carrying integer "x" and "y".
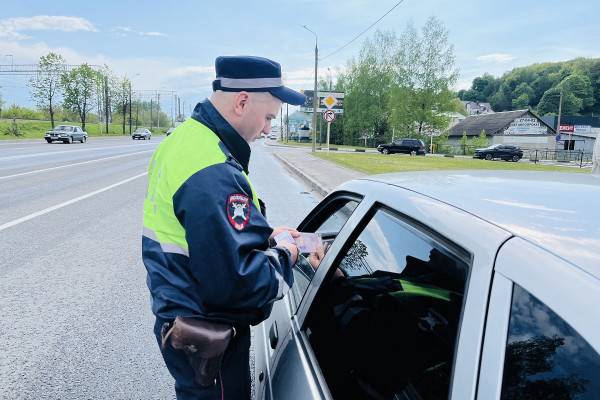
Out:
{"x": 379, "y": 164}
{"x": 36, "y": 129}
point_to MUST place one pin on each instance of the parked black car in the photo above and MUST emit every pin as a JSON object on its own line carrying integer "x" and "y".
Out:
{"x": 408, "y": 146}
{"x": 501, "y": 151}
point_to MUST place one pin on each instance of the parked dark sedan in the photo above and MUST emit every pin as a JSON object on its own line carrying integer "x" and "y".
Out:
{"x": 501, "y": 151}
{"x": 408, "y": 146}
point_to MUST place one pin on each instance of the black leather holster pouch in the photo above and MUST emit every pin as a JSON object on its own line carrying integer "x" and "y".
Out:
{"x": 203, "y": 342}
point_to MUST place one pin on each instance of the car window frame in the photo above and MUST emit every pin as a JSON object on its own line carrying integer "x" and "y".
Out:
{"x": 539, "y": 280}
{"x": 361, "y": 221}
{"x": 444, "y": 217}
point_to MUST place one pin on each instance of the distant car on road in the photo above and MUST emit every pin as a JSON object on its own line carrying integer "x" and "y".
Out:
{"x": 408, "y": 146}
{"x": 141, "y": 133}
{"x": 502, "y": 151}
{"x": 441, "y": 285}
{"x": 272, "y": 136}
{"x": 66, "y": 134}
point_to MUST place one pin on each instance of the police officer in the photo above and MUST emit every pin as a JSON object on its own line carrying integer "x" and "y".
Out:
{"x": 205, "y": 242}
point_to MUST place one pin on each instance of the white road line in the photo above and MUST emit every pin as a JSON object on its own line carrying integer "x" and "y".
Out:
{"x": 66, "y": 203}
{"x": 70, "y": 151}
{"x": 71, "y": 165}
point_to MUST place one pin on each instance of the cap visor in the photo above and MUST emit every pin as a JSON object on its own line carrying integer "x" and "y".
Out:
{"x": 288, "y": 95}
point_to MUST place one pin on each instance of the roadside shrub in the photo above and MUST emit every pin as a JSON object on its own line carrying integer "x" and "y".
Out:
{"x": 13, "y": 129}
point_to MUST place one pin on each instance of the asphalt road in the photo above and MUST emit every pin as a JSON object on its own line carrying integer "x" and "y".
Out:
{"x": 74, "y": 307}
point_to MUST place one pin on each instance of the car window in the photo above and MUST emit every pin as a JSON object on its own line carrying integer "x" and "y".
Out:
{"x": 385, "y": 325}
{"x": 338, "y": 213}
{"x": 545, "y": 357}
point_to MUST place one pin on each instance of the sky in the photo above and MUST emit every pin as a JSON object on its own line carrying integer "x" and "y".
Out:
{"x": 171, "y": 46}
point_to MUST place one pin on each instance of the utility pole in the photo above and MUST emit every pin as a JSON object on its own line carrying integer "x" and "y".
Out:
{"x": 287, "y": 122}
{"x": 106, "y": 101}
{"x": 137, "y": 112}
{"x": 151, "y": 119}
{"x": 157, "y": 110}
{"x": 558, "y": 120}
{"x": 281, "y": 122}
{"x": 130, "y": 119}
{"x": 315, "y": 94}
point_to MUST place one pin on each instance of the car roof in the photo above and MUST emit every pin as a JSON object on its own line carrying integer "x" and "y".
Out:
{"x": 557, "y": 211}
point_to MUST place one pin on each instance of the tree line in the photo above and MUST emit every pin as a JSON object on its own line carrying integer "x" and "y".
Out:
{"x": 399, "y": 85}
{"x": 539, "y": 86}
{"x": 84, "y": 92}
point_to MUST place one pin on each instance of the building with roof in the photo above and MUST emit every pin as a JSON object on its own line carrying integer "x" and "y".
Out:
{"x": 579, "y": 132}
{"x": 521, "y": 128}
{"x": 477, "y": 108}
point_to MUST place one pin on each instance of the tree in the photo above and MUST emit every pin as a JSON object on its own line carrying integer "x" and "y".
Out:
{"x": 464, "y": 141}
{"x": 432, "y": 78}
{"x": 80, "y": 85}
{"x": 549, "y": 102}
{"x": 480, "y": 141}
{"x": 120, "y": 90}
{"x": 46, "y": 85}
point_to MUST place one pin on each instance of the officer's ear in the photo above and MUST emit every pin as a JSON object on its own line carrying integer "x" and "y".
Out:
{"x": 241, "y": 100}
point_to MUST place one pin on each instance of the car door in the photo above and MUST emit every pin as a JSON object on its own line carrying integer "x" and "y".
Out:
{"x": 269, "y": 337}
{"x": 542, "y": 338}
{"x": 390, "y": 229}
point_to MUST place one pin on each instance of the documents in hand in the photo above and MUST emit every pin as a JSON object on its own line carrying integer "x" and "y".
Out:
{"x": 307, "y": 242}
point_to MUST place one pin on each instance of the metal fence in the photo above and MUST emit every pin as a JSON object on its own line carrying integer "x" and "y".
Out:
{"x": 579, "y": 157}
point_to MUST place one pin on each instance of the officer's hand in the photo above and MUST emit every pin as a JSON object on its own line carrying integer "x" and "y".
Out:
{"x": 279, "y": 229}
{"x": 293, "y": 251}
{"x": 316, "y": 257}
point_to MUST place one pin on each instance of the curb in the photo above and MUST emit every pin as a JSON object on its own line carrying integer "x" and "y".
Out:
{"x": 314, "y": 185}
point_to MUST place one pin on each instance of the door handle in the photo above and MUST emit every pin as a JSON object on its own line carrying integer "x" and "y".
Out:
{"x": 273, "y": 335}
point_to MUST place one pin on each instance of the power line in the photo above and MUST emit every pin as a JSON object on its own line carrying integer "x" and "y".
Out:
{"x": 363, "y": 32}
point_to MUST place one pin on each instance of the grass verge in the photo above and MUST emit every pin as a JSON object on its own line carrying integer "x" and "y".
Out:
{"x": 36, "y": 129}
{"x": 379, "y": 164}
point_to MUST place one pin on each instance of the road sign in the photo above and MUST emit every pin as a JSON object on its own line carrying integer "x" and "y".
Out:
{"x": 567, "y": 128}
{"x": 329, "y": 116}
{"x": 330, "y": 101}
{"x": 337, "y": 106}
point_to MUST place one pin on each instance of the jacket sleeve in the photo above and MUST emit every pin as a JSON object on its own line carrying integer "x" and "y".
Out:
{"x": 237, "y": 275}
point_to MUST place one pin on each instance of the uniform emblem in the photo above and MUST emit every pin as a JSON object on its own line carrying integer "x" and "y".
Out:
{"x": 238, "y": 210}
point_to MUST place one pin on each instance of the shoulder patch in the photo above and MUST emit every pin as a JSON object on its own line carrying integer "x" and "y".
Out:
{"x": 238, "y": 210}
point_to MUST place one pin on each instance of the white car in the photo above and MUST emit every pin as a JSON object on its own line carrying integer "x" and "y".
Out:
{"x": 443, "y": 285}
{"x": 66, "y": 134}
{"x": 141, "y": 133}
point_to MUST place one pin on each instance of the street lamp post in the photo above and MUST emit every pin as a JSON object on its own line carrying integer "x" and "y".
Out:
{"x": 12, "y": 61}
{"x": 315, "y": 95}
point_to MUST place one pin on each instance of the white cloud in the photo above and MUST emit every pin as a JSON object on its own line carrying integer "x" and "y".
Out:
{"x": 192, "y": 70}
{"x": 123, "y": 30}
{"x": 496, "y": 58}
{"x": 153, "y": 34}
{"x": 11, "y": 28}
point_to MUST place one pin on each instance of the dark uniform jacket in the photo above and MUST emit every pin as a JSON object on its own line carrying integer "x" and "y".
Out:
{"x": 205, "y": 240}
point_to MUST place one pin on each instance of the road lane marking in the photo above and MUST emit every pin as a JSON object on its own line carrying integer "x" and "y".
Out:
{"x": 67, "y": 203}
{"x": 72, "y": 165}
{"x": 71, "y": 151}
